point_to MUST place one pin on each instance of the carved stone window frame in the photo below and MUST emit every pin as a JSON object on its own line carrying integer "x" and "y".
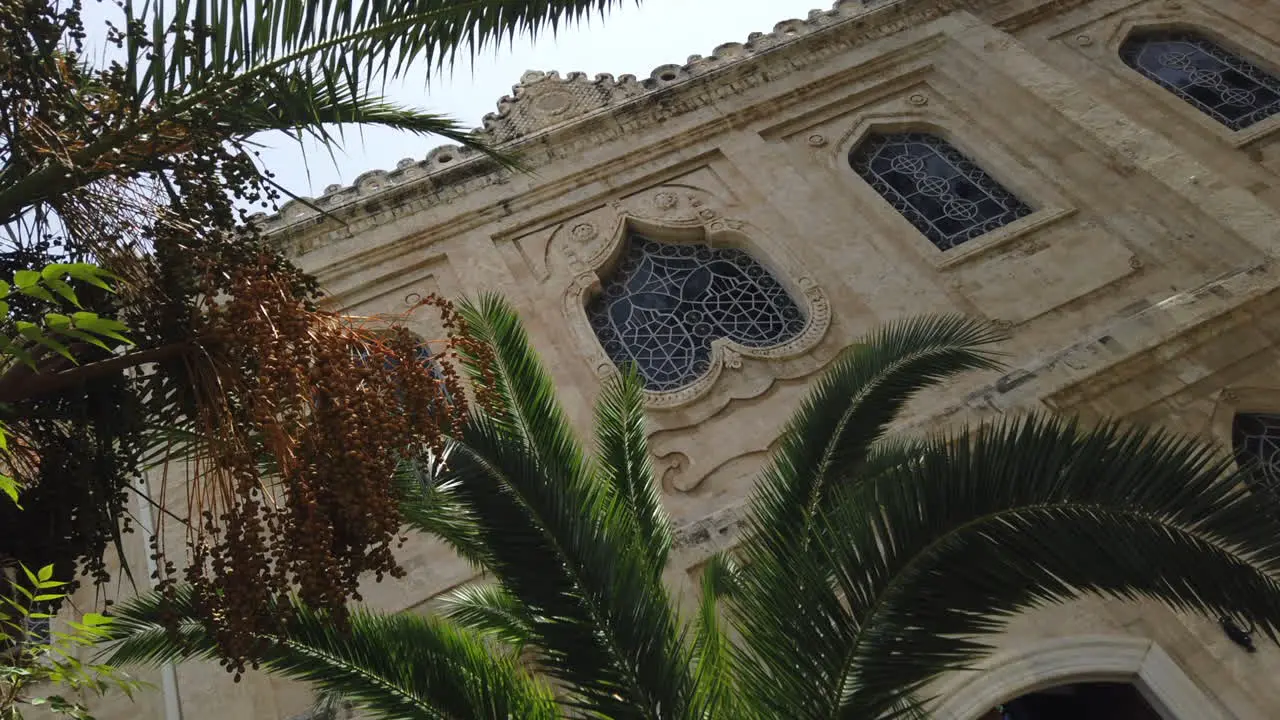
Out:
{"x": 1042, "y": 664}
{"x": 1231, "y": 37}
{"x": 1047, "y": 204}
{"x": 710, "y": 227}
{"x": 1236, "y": 400}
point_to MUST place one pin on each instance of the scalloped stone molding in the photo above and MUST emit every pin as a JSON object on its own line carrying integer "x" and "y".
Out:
{"x": 1083, "y": 658}
{"x": 678, "y": 212}
{"x": 544, "y": 101}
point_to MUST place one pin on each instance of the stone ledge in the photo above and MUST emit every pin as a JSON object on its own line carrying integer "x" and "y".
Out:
{"x": 1125, "y": 339}
{"x": 545, "y": 103}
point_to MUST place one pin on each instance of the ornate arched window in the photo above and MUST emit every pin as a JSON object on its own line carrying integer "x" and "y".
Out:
{"x": 422, "y": 353}
{"x": 944, "y": 194}
{"x": 1255, "y": 437}
{"x": 1219, "y": 83}
{"x": 665, "y": 304}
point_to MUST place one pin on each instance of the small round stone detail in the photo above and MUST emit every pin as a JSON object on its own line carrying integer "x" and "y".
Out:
{"x": 584, "y": 232}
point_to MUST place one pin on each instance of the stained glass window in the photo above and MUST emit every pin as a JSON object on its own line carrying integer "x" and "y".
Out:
{"x": 424, "y": 355}
{"x": 1222, "y": 85}
{"x": 937, "y": 189}
{"x": 1256, "y": 440}
{"x": 665, "y": 303}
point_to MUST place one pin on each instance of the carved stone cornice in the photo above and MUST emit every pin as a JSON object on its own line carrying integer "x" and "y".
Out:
{"x": 548, "y": 116}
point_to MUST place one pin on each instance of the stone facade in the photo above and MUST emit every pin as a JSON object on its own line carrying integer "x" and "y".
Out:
{"x": 1141, "y": 283}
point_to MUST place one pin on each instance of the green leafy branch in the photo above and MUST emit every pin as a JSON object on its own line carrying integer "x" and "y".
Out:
{"x": 30, "y": 658}
{"x": 51, "y": 285}
{"x": 20, "y": 338}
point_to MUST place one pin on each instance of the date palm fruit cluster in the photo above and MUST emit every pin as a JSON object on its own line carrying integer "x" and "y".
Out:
{"x": 289, "y": 421}
{"x": 297, "y": 490}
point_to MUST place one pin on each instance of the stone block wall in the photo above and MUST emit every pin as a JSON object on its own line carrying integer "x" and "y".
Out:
{"x": 1142, "y": 283}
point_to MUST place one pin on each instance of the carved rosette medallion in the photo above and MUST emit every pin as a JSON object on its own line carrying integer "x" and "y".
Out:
{"x": 665, "y": 200}
{"x": 552, "y": 104}
{"x": 584, "y": 232}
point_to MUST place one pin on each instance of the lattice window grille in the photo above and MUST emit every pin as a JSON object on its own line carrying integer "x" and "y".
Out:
{"x": 940, "y": 191}
{"x": 1255, "y": 437}
{"x": 1219, "y": 83}
{"x": 665, "y": 303}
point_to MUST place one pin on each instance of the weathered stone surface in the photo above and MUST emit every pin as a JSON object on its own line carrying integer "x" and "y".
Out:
{"x": 1144, "y": 284}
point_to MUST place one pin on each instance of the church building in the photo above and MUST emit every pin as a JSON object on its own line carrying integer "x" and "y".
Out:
{"x": 1101, "y": 178}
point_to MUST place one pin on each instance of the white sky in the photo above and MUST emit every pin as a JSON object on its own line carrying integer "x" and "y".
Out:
{"x": 631, "y": 40}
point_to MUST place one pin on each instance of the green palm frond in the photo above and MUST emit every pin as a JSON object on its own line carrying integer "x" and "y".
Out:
{"x": 560, "y": 538}
{"x": 936, "y": 553}
{"x": 834, "y": 440}
{"x": 828, "y": 439}
{"x": 313, "y": 64}
{"x": 329, "y": 705}
{"x": 526, "y": 404}
{"x": 312, "y": 100}
{"x": 395, "y": 665}
{"x": 565, "y": 546}
{"x": 491, "y": 611}
{"x": 712, "y": 650}
{"x": 245, "y": 66}
{"x": 241, "y": 38}
{"x": 624, "y": 460}
{"x": 871, "y": 564}
{"x": 431, "y": 506}
{"x": 908, "y": 708}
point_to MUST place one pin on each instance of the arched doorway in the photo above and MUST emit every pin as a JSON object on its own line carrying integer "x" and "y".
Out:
{"x": 1078, "y": 701}
{"x": 1089, "y": 667}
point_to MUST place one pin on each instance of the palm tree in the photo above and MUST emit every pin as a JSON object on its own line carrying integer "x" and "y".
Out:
{"x": 145, "y": 164}
{"x": 300, "y": 66}
{"x": 870, "y": 565}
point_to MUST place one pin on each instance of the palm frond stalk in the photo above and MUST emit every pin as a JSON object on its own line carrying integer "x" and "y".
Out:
{"x": 147, "y": 166}
{"x": 246, "y": 67}
{"x": 870, "y": 565}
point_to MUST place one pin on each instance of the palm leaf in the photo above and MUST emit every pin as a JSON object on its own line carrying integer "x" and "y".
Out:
{"x": 401, "y": 666}
{"x": 309, "y": 101}
{"x": 491, "y": 611}
{"x": 559, "y": 537}
{"x": 834, "y": 440}
{"x": 432, "y": 506}
{"x": 713, "y": 652}
{"x": 828, "y": 440}
{"x": 525, "y": 398}
{"x": 243, "y": 38}
{"x": 224, "y": 56}
{"x": 871, "y": 564}
{"x": 602, "y": 624}
{"x": 935, "y": 553}
{"x": 622, "y": 452}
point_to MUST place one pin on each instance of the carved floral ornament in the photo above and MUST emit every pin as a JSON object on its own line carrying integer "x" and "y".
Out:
{"x": 687, "y": 221}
